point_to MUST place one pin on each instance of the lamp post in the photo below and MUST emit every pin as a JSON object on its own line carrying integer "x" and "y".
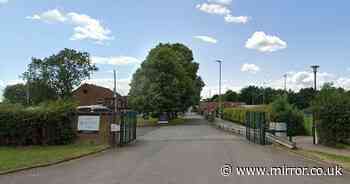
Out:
{"x": 285, "y": 82}
{"x": 220, "y": 102}
{"x": 314, "y": 132}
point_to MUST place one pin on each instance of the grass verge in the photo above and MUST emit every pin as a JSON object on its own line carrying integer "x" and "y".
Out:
{"x": 13, "y": 158}
{"x": 177, "y": 121}
{"x": 344, "y": 161}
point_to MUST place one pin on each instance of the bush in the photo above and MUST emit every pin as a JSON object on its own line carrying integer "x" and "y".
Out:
{"x": 282, "y": 111}
{"x": 238, "y": 115}
{"x": 47, "y": 124}
{"x": 332, "y": 107}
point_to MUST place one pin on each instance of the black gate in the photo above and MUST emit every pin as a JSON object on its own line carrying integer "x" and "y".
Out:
{"x": 127, "y": 127}
{"x": 256, "y": 127}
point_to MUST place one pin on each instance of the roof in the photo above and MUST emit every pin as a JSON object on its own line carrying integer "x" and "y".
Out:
{"x": 86, "y": 85}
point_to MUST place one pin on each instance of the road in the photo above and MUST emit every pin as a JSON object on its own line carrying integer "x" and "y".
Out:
{"x": 183, "y": 154}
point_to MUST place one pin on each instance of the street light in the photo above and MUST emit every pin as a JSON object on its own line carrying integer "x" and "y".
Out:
{"x": 220, "y": 102}
{"x": 314, "y": 133}
{"x": 285, "y": 82}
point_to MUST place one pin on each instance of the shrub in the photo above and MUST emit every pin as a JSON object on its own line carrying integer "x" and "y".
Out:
{"x": 282, "y": 111}
{"x": 332, "y": 108}
{"x": 47, "y": 124}
{"x": 238, "y": 115}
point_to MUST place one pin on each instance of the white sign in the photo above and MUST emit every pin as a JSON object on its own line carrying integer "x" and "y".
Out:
{"x": 115, "y": 128}
{"x": 163, "y": 122}
{"x": 89, "y": 123}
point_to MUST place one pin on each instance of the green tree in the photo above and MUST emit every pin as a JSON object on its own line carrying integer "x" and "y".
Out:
{"x": 231, "y": 96}
{"x": 304, "y": 98}
{"x": 251, "y": 95}
{"x": 61, "y": 72}
{"x": 332, "y": 109}
{"x": 15, "y": 94}
{"x": 167, "y": 80}
{"x": 282, "y": 111}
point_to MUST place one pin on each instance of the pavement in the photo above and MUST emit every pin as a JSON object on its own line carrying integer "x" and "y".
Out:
{"x": 182, "y": 154}
{"x": 306, "y": 143}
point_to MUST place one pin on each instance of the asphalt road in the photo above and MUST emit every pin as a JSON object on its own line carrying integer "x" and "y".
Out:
{"x": 183, "y": 154}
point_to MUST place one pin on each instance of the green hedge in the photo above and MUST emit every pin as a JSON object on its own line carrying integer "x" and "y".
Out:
{"x": 237, "y": 115}
{"x": 332, "y": 110}
{"x": 48, "y": 124}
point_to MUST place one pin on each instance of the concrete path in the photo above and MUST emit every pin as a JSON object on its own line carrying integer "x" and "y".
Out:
{"x": 186, "y": 154}
{"x": 305, "y": 142}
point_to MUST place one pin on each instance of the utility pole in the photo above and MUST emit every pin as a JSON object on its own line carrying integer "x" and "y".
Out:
{"x": 285, "y": 82}
{"x": 115, "y": 92}
{"x": 314, "y": 130}
{"x": 220, "y": 100}
{"x": 115, "y": 110}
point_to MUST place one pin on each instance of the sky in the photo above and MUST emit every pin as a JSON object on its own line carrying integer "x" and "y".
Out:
{"x": 258, "y": 41}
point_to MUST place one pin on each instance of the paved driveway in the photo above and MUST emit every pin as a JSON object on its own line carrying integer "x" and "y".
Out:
{"x": 173, "y": 155}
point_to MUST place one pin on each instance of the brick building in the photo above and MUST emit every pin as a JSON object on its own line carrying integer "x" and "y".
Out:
{"x": 90, "y": 94}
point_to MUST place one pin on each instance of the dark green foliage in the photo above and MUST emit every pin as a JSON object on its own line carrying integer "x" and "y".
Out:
{"x": 251, "y": 95}
{"x": 282, "y": 111}
{"x": 332, "y": 107}
{"x": 229, "y": 96}
{"x": 56, "y": 76}
{"x": 47, "y": 124}
{"x": 15, "y": 94}
{"x": 167, "y": 81}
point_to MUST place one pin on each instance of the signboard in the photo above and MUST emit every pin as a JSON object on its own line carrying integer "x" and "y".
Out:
{"x": 115, "y": 128}
{"x": 88, "y": 123}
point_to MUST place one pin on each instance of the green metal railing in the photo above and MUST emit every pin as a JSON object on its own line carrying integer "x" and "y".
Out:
{"x": 127, "y": 127}
{"x": 256, "y": 127}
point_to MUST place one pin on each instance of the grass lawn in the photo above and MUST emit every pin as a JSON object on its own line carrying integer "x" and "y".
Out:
{"x": 308, "y": 124}
{"x": 12, "y": 158}
{"x": 344, "y": 161}
{"x": 177, "y": 121}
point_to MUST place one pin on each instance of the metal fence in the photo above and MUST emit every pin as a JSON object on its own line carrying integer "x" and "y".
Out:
{"x": 127, "y": 127}
{"x": 256, "y": 125}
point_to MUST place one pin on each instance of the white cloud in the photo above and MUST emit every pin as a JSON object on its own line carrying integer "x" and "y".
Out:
{"x": 49, "y": 16}
{"x": 240, "y": 19}
{"x": 84, "y": 27}
{"x": 206, "y": 39}
{"x": 88, "y": 28}
{"x": 250, "y": 68}
{"x": 305, "y": 79}
{"x": 218, "y": 7}
{"x": 265, "y": 43}
{"x": 224, "y": 2}
{"x": 213, "y": 9}
{"x": 3, "y": 1}
{"x": 117, "y": 60}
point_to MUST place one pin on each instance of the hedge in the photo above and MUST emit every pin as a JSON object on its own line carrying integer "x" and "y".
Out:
{"x": 332, "y": 113}
{"x": 237, "y": 115}
{"x": 49, "y": 124}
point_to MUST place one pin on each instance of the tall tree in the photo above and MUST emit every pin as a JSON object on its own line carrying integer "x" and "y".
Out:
{"x": 251, "y": 95}
{"x": 15, "y": 94}
{"x": 167, "y": 80}
{"x": 231, "y": 96}
{"x": 61, "y": 72}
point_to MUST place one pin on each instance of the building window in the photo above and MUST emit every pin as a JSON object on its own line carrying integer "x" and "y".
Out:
{"x": 85, "y": 91}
